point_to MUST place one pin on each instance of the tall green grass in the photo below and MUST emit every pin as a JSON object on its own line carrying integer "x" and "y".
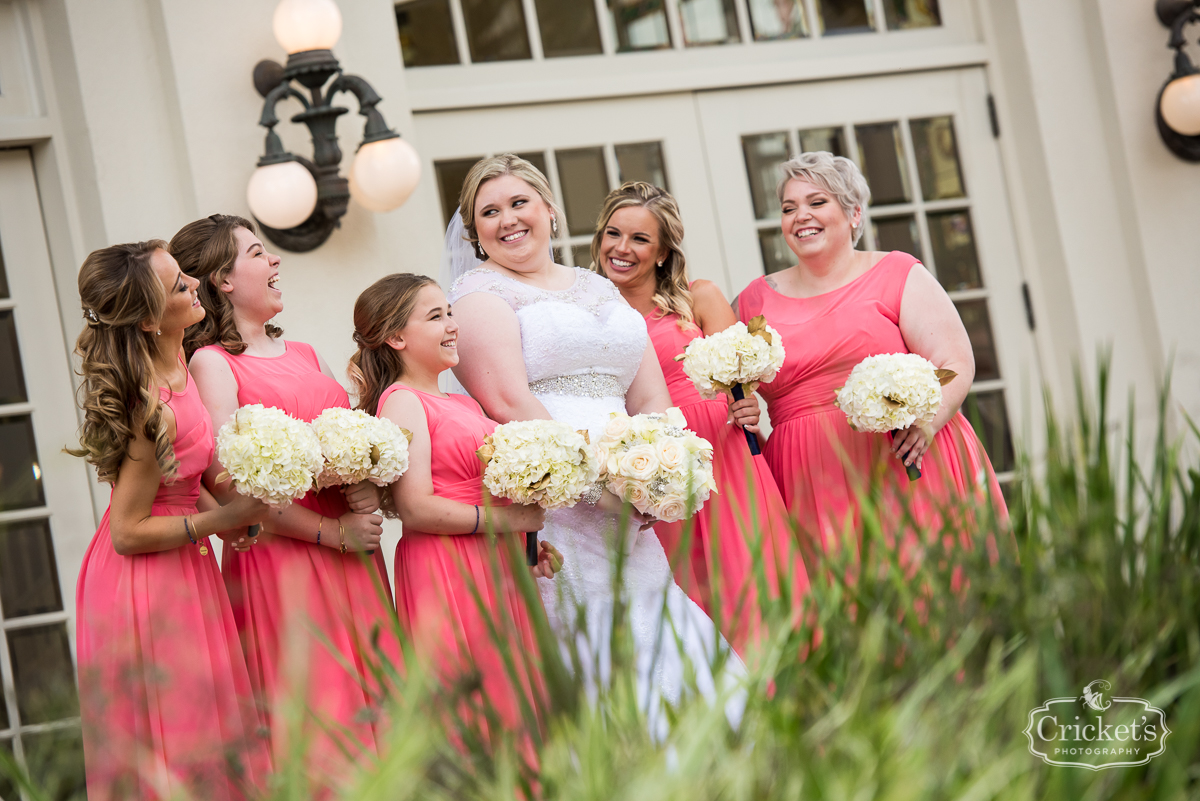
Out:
{"x": 892, "y": 685}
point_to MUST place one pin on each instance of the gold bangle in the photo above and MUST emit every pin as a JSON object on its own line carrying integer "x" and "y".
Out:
{"x": 342, "y": 534}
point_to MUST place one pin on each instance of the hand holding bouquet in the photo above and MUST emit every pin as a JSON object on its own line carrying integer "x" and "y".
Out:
{"x": 359, "y": 447}
{"x": 735, "y": 361}
{"x": 657, "y": 464}
{"x": 893, "y": 391}
{"x": 269, "y": 455}
{"x": 541, "y": 462}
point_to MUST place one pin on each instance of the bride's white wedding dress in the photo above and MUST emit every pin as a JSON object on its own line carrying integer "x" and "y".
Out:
{"x": 582, "y": 347}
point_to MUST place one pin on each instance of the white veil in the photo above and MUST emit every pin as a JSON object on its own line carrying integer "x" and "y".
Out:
{"x": 458, "y": 259}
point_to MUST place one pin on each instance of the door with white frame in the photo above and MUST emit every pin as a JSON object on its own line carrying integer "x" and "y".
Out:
{"x": 586, "y": 149}
{"x": 46, "y": 518}
{"x": 926, "y": 146}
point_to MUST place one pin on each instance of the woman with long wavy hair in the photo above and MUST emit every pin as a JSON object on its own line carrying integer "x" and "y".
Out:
{"x": 638, "y": 245}
{"x": 166, "y": 701}
{"x": 315, "y": 584}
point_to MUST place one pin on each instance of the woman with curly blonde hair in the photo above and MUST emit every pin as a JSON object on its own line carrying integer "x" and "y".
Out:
{"x": 164, "y": 692}
{"x": 318, "y": 567}
{"x": 638, "y": 245}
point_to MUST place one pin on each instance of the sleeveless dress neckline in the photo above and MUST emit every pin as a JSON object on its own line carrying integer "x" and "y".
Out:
{"x": 286, "y": 350}
{"x": 846, "y": 285}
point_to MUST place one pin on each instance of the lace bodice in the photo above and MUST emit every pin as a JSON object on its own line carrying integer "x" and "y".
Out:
{"x": 585, "y": 329}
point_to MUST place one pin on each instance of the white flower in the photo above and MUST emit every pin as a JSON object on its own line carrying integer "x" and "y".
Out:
{"x": 671, "y": 507}
{"x": 538, "y": 461}
{"x": 658, "y": 460}
{"x": 359, "y": 447}
{"x": 734, "y": 356}
{"x": 671, "y": 453}
{"x": 269, "y": 455}
{"x": 890, "y": 392}
{"x": 618, "y": 427}
{"x": 639, "y": 463}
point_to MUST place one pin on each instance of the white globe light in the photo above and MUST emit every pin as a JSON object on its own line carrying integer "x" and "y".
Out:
{"x": 307, "y": 25}
{"x": 1180, "y": 105}
{"x": 282, "y": 195}
{"x": 384, "y": 174}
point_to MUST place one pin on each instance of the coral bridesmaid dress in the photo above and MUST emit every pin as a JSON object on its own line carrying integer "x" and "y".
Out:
{"x": 438, "y": 575}
{"x": 167, "y": 705}
{"x": 821, "y": 463}
{"x": 747, "y": 504}
{"x": 331, "y": 612}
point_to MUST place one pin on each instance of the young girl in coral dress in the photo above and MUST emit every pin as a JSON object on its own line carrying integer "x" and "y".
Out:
{"x": 834, "y": 308}
{"x": 406, "y": 338}
{"x": 308, "y": 586}
{"x": 638, "y": 246}
{"x": 166, "y": 701}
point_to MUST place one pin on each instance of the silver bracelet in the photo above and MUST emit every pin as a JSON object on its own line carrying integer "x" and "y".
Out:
{"x": 594, "y": 492}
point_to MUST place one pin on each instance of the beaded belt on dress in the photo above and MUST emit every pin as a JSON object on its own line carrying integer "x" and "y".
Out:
{"x": 590, "y": 385}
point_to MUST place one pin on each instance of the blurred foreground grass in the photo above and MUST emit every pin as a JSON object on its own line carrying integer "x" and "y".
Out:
{"x": 915, "y": 691}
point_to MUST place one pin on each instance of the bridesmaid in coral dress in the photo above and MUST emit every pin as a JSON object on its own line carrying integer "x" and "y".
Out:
{"x": 406, "y": 338}
{"x": 307, "y": 586}
{"x": 834, "y": 308}
{"x": 167, "y": 704}
{"x": 638, "y": 246}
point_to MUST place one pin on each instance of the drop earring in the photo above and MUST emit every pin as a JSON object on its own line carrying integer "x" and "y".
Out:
{"x": 554, "y": 225}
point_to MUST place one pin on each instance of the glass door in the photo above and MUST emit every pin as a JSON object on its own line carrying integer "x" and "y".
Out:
{"x": 46, "y": 516}
{"x": 925, "y": 144}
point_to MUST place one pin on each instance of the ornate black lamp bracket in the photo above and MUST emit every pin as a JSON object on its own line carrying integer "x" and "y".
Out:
{"x": 1177, "y": 14}
{"x": 312, "y": 70}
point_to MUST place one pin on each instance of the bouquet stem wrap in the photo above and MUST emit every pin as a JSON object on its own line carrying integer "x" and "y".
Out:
{"x": 751, "y": 439}
{"x": 913, "y": 471}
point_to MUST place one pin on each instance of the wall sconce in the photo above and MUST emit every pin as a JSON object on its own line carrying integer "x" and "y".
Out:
{"x": 1177, "y": 110}
{"x": 299, "y": 202}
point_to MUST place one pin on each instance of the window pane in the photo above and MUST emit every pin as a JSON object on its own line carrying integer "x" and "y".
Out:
{"x": 902, "y": 14}
{"x": 897, "y": 233}
{"x": 537, "y": 158}
{"x": 28, "y": 574}
{"x": 569, "y": 27}
{"x": 584, "y": 186}
{"x": 450, "y": 177}
{"x": 708, "y": 22}
{"x": 776, "y": 254}
{"x": 937, "y": 158}
{"x": 426, "y": 33}
{"x": 778, "y": 19}
{"x": 496, "y": 30}
{"x": 7, "y": 789}
{"x": 582, "y": 254}
{"x": 764, "y": 153}
{"x": 640, "y": 24}
{"x": 3, "y": 275}
{"x": 881, "y": 156}
{"x": 954, "y": 255}
{"x": 978, "y": 322}
{"x": 845, "y": 16}
{"x": 55, "y": 761}
{"x": 988, "y": 413}
{"x": 42, "y": 672}
{"x": 12, "y": 378}
{"x": 827, "y": 139}
{"x": 642, "y": 162}
{"x": 20, "y": 473}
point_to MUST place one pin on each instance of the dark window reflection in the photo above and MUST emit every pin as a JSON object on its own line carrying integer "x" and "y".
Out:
{"x": 844, "y": 16}
{"x": 776, "y": 254}
{"x": 764, "y": 153}
{"x": 28, "y": 573}
{"x": 568, "y": 27}
{"x": 584, "y": 185}
{"x": 55, "y": 760}
{"x": 450, "y": 177}
{"x": 642, "y": 162}
{"x": 954, "y": 256}
{"x": 582, "y": 254}
{"x": 43, "y": 673}
{"x": 426, "y": 33}
{"x": 537, "y": 158}
{"x": 827, "y": 139}
{"x": 897, "y": 233}
{"x": 3, "y": 275}
{"x": 496, "y": 30}
{"x": 881, "y": 156}
{"x": 905, "y": 14}
{"x": 12, "y": 377}
{"x": 936, "y": 150}
{"x": 988, "y": 413}
{"x": 20, "y": 473}
{"x": 975, "y": 317}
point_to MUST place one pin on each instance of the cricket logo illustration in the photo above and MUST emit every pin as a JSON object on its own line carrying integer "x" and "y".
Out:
{"x": 1094, "y": 695}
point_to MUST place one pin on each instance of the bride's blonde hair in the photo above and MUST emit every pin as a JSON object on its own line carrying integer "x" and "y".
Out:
{"x": 487, "y": 169}
{"x": 120, "y": 292}
{"x": 671, "y": 292}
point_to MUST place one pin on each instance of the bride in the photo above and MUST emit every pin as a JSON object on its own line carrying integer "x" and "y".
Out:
{"x": 538, "y": 340}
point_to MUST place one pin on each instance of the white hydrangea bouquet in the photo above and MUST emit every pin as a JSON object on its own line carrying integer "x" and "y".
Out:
{"x": 893, "y": 391}
{"x": 538, "y": 461}
{"x": 655, "y": 463}
{"x": 734, "y": 361}
{"x": 269, "y": 455}
{"x": 360, "y": 447}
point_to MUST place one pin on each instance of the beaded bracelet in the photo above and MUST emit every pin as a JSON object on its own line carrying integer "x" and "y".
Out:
{"x": 187, "y": 529}
{"x": 319, "y": 529}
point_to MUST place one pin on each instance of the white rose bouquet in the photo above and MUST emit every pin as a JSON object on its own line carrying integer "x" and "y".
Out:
{"x": 268, "y": 454}
{"x": 538, "y": 461}
{"x": 657, "y": 464}
{"x": 735, "y": 361}
{"x": 360, "y": 447}
{"x": 893, "y": 391}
